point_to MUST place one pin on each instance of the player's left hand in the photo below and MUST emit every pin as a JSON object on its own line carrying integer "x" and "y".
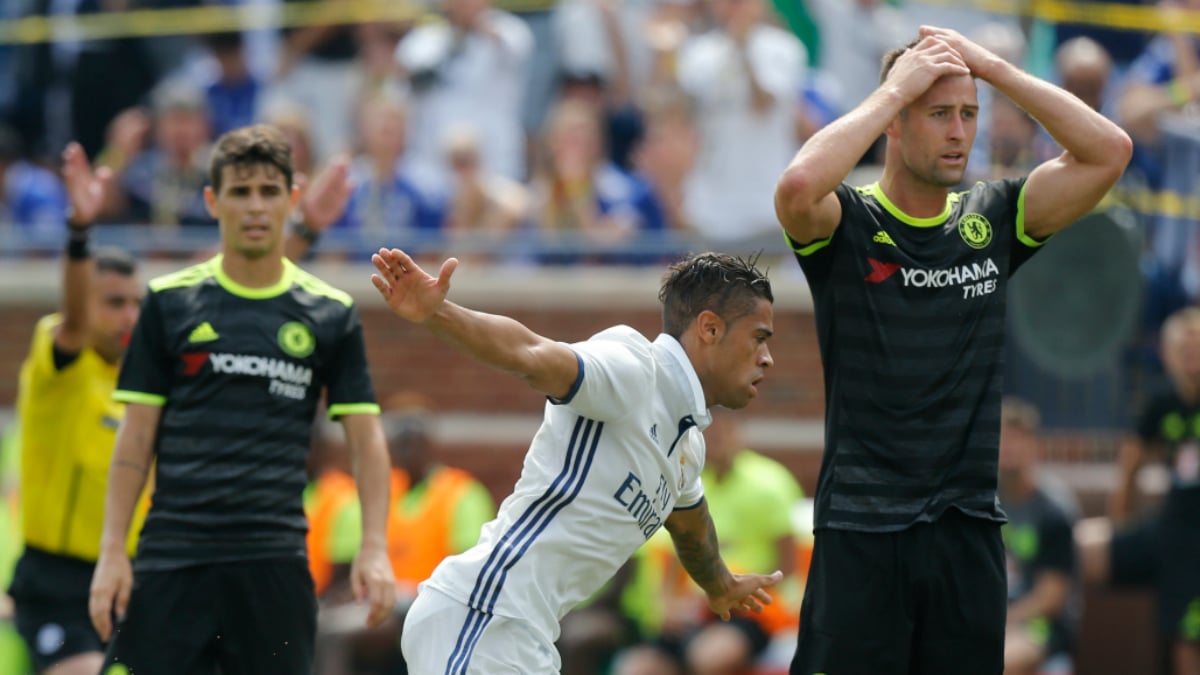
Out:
{"x": 745, "y": 594}
{"x": 407, "y": 289}
{"x": 372, "y": 580}
{"x": 977, "y": 58}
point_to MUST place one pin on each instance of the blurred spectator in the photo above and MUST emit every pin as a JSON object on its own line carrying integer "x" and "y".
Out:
{"x": 317, "y": 70}
{"x": 1085, "y": 68}
{"x": 667, "y": 151}
{"x": 485, "y": 209}
{"x": 647, "y": 660}
{"x": 1164, "y": 78}
{"x": 436, "y": 511}
{"x": 1039, "y": 549}
{"x": 386, "y": 206}
{"x": 743, "y": 76}
{"x": 1013, "y": 140}
{"x": 751, "y": 498}
{"x": 32, "y": 199}
{"x": 291, "y": 119}
{"x": 234, "y": 92}
{"x": 1161, "y": 549}
{"x": 478, "y": 55}
{"x": 579, "y": 193}
{"x": 164, "y": 184}
{"x": 854, "y": 36}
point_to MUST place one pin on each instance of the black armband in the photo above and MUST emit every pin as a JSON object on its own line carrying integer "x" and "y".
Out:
{"x": 77, "y": 244}
{"x": 306, "y": 233}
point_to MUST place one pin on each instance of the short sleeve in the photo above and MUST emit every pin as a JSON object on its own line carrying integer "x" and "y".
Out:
{"x": 1149, "y": 420}
{"x": 347, "y": 378}
{"x": 1023, "y": 245}
{"x": 692, "y": 492}
{"x": 616, "y": 374}
{"x": 146, "y": 369}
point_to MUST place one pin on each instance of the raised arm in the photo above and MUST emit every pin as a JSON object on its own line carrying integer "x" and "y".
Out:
{"x": 805, "y": 202}
{"x": 86, "y": 191}
{"x": 371, "y": 574}
{"x": 132, "y": 457}
{"x": 497, "y": 341}
{"x": 322, "y": 202}
{"x": 1095, "y": 150}
{"x": 695, "y": 538}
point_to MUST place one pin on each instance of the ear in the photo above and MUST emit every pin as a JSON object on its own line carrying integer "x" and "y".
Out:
{"x": 210, "y": 201}
{"x": 295, "y": 199}
{"x": 709, "y": 327}
{"x": 893, "y": 127}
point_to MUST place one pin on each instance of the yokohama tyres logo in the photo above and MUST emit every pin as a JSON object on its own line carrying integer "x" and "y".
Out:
{"x": 880, "y": 271}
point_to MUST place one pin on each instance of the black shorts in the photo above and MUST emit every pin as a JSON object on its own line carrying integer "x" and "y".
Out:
{"x": 928, "y": 600}
{"x": 255, "y": 617}
{"x": 50, "y": 599}
{"x": 1165, "y": 557}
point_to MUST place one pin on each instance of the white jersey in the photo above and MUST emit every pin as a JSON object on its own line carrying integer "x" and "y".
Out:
{"x": 605, "y": 470}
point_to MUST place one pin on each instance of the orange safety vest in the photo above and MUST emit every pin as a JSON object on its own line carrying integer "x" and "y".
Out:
{"x": 333, "y": 490}
{"x": 419, "y": 540}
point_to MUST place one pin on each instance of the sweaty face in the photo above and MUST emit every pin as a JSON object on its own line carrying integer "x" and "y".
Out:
{"x": 251, "y": 208}
{"x": 116, "y": 301}
{"x": 743, "y": 358}
{"x": 936, "y": 131}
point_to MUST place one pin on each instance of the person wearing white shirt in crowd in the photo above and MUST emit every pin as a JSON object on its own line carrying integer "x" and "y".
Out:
{"x": 745, "y": 77}
{"x": 618, "y": 455}
{"x": 467, "y": 72}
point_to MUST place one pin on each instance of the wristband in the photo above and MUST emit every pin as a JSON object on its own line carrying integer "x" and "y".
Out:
{"x": 306, "y": 233}
{"x": 77, "y": 246}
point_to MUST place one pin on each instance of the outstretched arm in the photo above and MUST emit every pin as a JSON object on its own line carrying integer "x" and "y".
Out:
{"x": 1095, "y": 150}
{"x": 805, "y": 202}
{"x": 695, "y": 540}
{"x": 86, "y": 191}
{"x": 497, "y": 341}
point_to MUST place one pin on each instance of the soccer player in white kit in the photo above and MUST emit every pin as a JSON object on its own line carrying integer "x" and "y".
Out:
{"x": 618, "y": 455}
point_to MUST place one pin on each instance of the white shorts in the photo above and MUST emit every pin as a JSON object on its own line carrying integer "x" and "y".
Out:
{"x": 442, "y": 636}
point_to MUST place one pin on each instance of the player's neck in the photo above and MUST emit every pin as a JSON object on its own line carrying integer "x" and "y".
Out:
{"x": 915, "y": 197}
{"x": 261, "y": 272}
{"x": 1187, "y": 390}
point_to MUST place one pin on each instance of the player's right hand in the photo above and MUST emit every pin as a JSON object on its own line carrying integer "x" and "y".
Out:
{"x": 406, "y": 288}
{"x": 85, "y": 188}
{"x": 111, "y": 584}
{"x": 918, "y": 68}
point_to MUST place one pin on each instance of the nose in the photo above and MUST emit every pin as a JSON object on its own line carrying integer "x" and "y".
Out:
{"x": 766, "y": 361}
{"x": 958, "y": 129}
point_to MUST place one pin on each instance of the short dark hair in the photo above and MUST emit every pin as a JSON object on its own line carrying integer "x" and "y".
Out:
{"x": 249, "y": 146}
{"x": 115, "y": 260}
{"x": 889, "y": 59}
{"x": 727, "y": 285}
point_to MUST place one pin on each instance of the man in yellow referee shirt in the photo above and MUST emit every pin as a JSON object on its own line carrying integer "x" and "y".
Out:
{"x": 68, "y": 424}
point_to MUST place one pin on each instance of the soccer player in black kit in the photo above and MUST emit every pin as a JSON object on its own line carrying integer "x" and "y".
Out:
{"x": 222, "y": 379}
{"x": 908, "y": 280}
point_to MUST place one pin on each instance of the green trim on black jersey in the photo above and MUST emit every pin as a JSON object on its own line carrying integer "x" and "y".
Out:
{"x": 1021, "y": 235}
{"x": 339, "y": 409}
{"x": 188, "y": 276}
{"x": 316, "y": 286}
{"x": 873, "y": 190}
{"x": 806, "y": 249}
{"x": 274, "y": 290}
{"x": 125, "y": 396}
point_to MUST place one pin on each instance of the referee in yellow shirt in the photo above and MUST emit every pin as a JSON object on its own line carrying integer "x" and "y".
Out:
{"x": 68, "y": 422}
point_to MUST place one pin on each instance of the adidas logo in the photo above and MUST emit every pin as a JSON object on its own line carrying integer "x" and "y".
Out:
{"x": 203, "y": 333}
{"x": 882, "y": 237}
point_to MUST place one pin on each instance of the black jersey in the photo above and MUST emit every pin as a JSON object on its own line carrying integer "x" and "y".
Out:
{"x": 239, "y": 373}
{"x": 910, "y": 320}
{"x": 1171, "y": 425}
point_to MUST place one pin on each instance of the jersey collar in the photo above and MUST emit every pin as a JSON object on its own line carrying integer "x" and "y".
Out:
{"x": 278, "y": 288}
{"x": 679, "y": 358}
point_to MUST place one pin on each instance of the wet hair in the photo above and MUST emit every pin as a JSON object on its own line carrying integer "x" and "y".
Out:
{"x": 254, "y": 145}
{"x": 728, "y": 286}
{"x": 1017, "y": 413}
{"x": 889, "y": 59}
{"x": 115, "y": 260}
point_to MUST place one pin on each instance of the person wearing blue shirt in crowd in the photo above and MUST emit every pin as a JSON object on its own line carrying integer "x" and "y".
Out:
{"x": 31, "y": 198}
